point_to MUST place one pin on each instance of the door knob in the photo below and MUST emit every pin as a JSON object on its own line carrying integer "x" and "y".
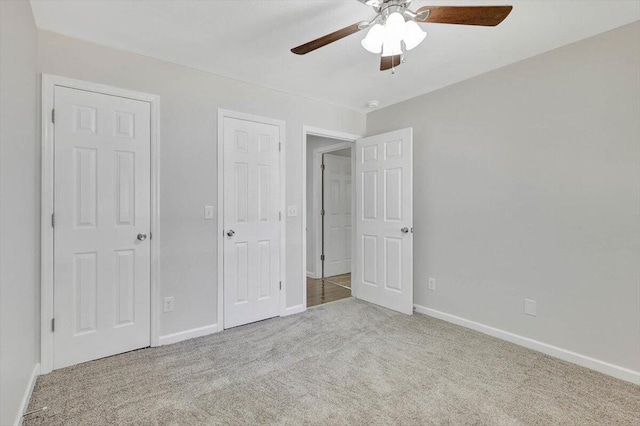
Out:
{"x": 142, "y": 237}
{"x": 405, "y": 230}
{"x": 231, "y": 233}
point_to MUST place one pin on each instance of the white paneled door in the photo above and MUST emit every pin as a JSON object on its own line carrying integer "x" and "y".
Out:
{"x": 251, "y": 223}
{"x": 384, "y": 220}
{"x": 337, "y": 214}
{"x": 102, "y": 221}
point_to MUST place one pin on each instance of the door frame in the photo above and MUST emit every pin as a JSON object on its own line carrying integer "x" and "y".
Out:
{"x": 222, "y": 114}
{"x": 349, "y": 141}
{"x": 49, "y": 82}
{"x": 317, "y": 183}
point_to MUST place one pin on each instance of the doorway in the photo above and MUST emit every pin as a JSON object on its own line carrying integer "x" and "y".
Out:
{"x": 329, "y": 229}
{"x": 381, "y": 224}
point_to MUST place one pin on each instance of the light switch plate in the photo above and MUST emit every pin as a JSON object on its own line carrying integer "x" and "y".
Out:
{"x": 292, "y": 211}
{"x": 208, "y": 212}
{"x": 530, "y": 307}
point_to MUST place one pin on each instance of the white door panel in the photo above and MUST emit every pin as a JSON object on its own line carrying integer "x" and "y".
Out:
{"x": 101, "y": 202}
{"x": 384, "y": 207}
{"x": 337, "y": 217}
{"x": 251, "y": 216}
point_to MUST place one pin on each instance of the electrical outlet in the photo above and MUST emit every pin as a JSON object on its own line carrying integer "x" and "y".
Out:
{"x": 530, "y": 307}
{"x": 292, "y": 211}
{"x": 208, "y": 212}
{"x": 432, "y": 284}
{"x": 168, "y": 304}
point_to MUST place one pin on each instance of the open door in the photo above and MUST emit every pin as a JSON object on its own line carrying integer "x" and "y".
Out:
{"x": 383, "y": 272}
{"x": 336, "y": 224}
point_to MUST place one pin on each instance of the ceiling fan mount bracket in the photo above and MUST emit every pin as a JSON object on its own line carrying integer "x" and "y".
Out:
{"x": 381, "y": 4}
{"x": 391, "y": 6}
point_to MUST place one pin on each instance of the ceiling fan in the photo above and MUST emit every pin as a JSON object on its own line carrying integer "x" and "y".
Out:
{"x": 395, "y": 28}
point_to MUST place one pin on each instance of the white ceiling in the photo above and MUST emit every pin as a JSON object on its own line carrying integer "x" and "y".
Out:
{"x": 249, "y": 40}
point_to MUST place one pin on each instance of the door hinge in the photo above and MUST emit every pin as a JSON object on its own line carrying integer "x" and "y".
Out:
{"x": 53, "y": 325}
{"x": 322, "y": 167}
{"x": 280, "y": 285}
{"x": 322, "y": 212}
{"x": 53, "y": 220}
{"x": 53, "y": 116}
{"x": 322, "y": 257}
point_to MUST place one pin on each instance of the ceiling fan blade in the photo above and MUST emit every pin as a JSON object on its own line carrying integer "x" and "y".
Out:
{"x": 323, "y": 41}
{"x": 388, "y": 62}
{"x": 488, "y": 16}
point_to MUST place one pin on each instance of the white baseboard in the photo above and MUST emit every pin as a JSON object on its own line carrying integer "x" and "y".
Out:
{"x": 554, "y": 351}
{"x": 294, "y": 310}
{"x": 312, "y": 275}
{"x": 27, "y": 395}
{"x": 188, "y": 334}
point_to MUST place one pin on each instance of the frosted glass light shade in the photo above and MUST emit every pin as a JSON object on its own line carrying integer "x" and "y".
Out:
{"x": 413, "y": 35}
{"x": 391, "y": 48}
{"x": 394, "y": 27}
{"x": 393, "y": 35}
{"x": 374, "y": 39}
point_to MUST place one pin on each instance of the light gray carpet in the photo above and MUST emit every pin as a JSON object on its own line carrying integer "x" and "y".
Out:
{"x": 347, "y": 362}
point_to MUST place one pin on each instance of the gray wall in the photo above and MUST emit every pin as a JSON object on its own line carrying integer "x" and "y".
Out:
{"x": 527, "y": 185}
{"x": 19, "y": 206}
{"x": 346, "y": 152}
{"x": 189, "y": 105}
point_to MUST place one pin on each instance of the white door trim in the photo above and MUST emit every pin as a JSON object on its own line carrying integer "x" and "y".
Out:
{"x": 349, "y": 139}
{"x": 49, "y": 82}
{"x": 222, "y": 114}
{"x": 316, "y": 224}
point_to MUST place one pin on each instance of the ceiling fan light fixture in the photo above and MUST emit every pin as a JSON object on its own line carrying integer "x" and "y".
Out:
{"x": 393, "y": 35}
{"x": 374, "y": 39}
{"x": 414, "y": 35}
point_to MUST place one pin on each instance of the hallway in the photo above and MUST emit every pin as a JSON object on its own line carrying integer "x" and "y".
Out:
{"x": 330, "y": 289}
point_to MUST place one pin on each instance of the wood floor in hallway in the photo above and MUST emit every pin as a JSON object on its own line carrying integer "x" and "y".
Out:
{"x": 326, "y": 290}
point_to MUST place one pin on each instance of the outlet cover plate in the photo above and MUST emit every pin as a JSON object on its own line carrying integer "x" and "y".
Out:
{"x": 530, "y": 307}
{"x": 432, "y": 284}
{"x": 168, "y": 304}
